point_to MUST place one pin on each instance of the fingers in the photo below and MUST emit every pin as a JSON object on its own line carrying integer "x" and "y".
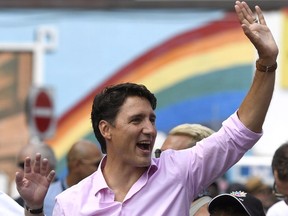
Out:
{"x": 39, "y": 166}
{"x": 27, "y": 165}
{"x": 245, "y": 14}
{"x": 238, "y": 9}
{"x": 260, "y": 15}
{"x": 44, "y": 167}
{"x": 248, "y": 13}
{"x": 37, "y": 163}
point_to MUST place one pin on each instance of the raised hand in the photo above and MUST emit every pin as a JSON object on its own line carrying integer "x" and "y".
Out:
{"x": 33, "y": 182}
{"x": 255, "y": 28}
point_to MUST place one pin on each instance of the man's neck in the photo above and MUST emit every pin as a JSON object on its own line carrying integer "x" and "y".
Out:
{"x": 120, "y": 178}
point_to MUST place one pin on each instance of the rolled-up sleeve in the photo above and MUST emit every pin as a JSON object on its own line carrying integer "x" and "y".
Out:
{"x": 213, "y": 156}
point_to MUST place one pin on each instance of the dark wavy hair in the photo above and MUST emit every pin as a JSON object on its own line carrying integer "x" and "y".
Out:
{"x": 280, "y": 162}
{"x": 107, "y": 103}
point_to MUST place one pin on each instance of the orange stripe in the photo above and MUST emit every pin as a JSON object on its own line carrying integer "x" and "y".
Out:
{"x": 194, "y": 48}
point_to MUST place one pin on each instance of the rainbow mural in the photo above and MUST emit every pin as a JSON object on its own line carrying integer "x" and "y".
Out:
{"x": 198, "y": 76}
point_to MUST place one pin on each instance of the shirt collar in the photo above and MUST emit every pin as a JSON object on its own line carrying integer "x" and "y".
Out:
{"x": 99, "y": 180}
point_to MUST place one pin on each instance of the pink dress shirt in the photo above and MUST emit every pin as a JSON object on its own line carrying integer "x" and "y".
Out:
{"x": 170, "y": 183}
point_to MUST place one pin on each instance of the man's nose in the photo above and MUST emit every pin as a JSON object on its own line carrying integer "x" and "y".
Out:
{"x": 149, "y": 128}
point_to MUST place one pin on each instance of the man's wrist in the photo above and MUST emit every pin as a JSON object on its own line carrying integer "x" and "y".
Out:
{"x": 34, "y": 211}
{"x": 266, "y": 68}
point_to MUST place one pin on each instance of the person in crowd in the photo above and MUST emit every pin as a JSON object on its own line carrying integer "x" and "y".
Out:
{"x": 30, "y": 150}
{"x": 199, "y": 206}
{"x": 83, "y": 159}
{"x": 186, "y": 136}
{"x": 257, "y": 188}
{"x": 129, "y": 181}
{"x": 280, "y": 186}
{"x": 236, "y": 203}
{"x": 235, "y": 186}
{"x": 8, "y": 206}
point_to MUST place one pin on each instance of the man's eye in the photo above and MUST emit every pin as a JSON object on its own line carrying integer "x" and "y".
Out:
{"x": 136, "y": 120}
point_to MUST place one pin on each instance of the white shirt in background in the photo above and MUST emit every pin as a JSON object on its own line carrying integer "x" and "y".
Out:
{"x": 9, "y": 207}
{"x": 278, "y": 209}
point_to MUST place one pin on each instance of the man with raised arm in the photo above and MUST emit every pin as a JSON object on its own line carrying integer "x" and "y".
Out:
{"x": 129, "y": 181}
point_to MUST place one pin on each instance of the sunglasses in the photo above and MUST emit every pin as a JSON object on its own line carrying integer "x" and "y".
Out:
{"x": 20, "y": 165}
{"x": 278, "y": 195}
{"x": 157, "y": 153}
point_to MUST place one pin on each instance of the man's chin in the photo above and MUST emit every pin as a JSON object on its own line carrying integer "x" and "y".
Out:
{"x": 145, "y": 163}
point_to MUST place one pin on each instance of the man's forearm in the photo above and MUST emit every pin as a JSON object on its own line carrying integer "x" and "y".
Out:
{"x": 253, "y": 109}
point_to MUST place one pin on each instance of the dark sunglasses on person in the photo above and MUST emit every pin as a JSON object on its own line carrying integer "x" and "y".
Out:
{"x": 157, "y": 153}
{"x": 20, "y": 165}
{"x": 278, "y": 195}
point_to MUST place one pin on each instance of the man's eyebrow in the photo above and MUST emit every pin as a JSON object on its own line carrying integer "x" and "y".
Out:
{"x": 137, "y": 115}
{"x": 141, "y": 115}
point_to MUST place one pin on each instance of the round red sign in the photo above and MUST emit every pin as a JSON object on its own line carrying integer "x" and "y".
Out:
{"x": 42, "y": 111}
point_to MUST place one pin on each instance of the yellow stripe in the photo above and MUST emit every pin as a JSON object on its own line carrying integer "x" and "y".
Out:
{"x": 195, "y": 47}
{"x": 219, "y": 58}
{"x": 284, "y": 51}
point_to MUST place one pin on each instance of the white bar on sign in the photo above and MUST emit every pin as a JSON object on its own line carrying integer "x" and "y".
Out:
{"x": 45, "y": 112}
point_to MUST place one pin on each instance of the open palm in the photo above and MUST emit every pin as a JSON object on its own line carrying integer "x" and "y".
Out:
{"x": 33, "y": 183}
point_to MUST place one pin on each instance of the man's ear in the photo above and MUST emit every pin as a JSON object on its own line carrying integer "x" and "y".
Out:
{"x": 105, "y": 129}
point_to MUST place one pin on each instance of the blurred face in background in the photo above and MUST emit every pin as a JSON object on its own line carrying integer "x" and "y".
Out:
{"x": 176, "y": 142}
{"x": 280, "y": 188}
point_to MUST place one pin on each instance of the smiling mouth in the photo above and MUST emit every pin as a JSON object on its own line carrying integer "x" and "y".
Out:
{"x": 144, "y": 146}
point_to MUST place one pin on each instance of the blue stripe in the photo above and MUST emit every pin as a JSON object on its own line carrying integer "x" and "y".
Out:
{"x": 209, "y": 110}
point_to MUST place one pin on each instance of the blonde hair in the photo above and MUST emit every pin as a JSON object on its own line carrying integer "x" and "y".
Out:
{"x": 197, "y": 132}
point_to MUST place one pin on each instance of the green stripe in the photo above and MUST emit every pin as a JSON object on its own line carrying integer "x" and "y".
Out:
{"x": 236, "y": 78}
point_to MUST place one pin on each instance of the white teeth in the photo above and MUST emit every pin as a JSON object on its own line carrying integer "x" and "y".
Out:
{"x": 145, "y": 143}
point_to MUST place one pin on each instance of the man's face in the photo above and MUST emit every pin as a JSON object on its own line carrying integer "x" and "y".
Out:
{"x": 280, "y": 188}
{"x": 176, "y": 142}
{"x": 133, "y": 133}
